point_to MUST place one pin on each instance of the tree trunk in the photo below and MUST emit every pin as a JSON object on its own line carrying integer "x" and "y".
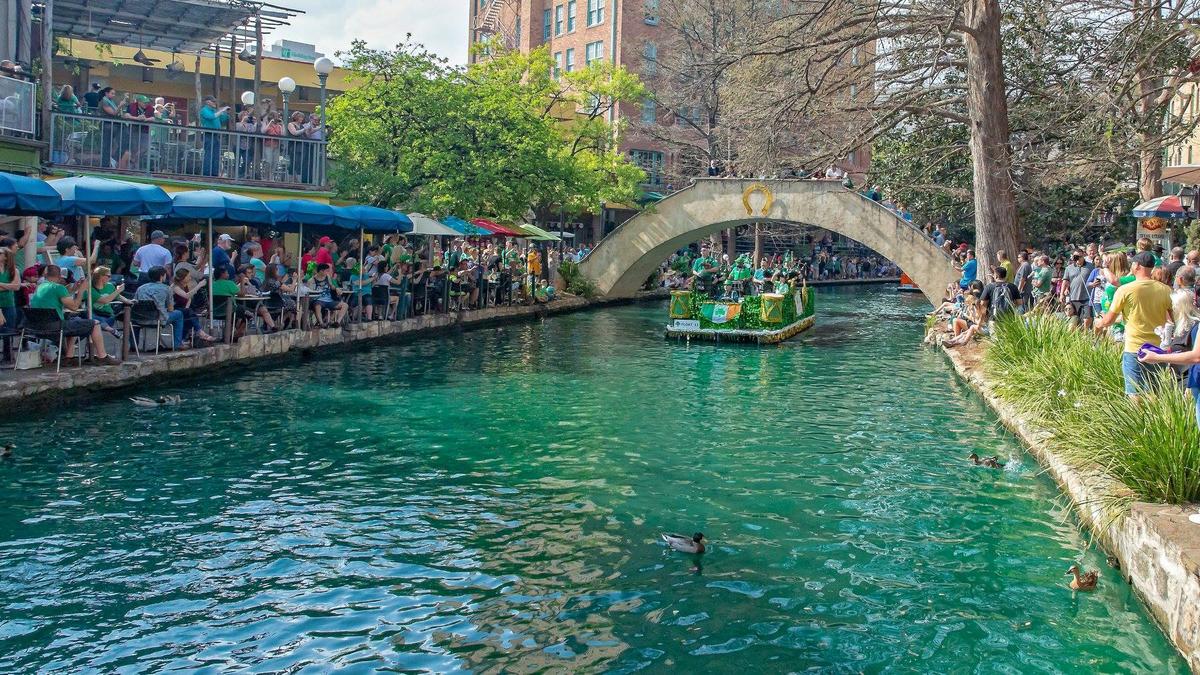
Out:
{"x": 996, "y": 226}
{"x": 1150, "y": 160}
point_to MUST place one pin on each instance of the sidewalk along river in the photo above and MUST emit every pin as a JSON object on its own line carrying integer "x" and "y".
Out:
{"x": 492, "y": 501}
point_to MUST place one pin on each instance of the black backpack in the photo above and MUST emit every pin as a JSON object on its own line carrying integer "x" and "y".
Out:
{"x": 1001, "y": 301}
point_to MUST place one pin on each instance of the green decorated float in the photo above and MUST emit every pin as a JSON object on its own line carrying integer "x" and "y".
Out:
{"x": 763, "y": 319}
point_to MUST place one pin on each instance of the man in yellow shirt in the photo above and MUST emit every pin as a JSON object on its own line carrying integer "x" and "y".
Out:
{"x": 1146, "y": 305}
{"x": 534, "y": 267}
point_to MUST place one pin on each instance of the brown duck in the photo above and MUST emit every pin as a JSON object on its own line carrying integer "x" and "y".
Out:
{"x": 1083, "y": 582}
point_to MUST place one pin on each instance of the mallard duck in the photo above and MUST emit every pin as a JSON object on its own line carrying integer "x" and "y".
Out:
{"x": 1113, "y": 562}
{"x": 155, "y": 402}
{"x": 6, "y": 451}
{"x": 692, "y": 544}
{"x": 1085, "y": 581}
{"x": 989, "y": 462}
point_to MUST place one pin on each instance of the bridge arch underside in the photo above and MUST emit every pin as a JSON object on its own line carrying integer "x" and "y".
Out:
{"x": 620, "y": 264}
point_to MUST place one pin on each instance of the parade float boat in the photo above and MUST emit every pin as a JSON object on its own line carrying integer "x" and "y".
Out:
{"x": 761, "y": 319}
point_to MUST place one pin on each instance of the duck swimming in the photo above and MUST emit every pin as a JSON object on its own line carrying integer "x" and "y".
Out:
{"x": 1083, "y": 582}
{"x": 989, "y": 462}
{"x": 6, "y": 451}
{"x": 154, "y": 403}
{"x": 683, "y": 544}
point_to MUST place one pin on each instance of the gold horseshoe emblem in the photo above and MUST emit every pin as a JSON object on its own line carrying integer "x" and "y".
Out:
{"x": 767, "y": 196}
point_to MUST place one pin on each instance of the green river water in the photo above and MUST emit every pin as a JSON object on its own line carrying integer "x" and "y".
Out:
{"x": 491, "y": 502}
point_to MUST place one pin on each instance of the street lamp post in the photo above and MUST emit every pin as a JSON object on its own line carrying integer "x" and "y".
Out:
{"x": 323, "y": 66}
{"x": 286, "y": 86}
{"x": 1187, "y": 199}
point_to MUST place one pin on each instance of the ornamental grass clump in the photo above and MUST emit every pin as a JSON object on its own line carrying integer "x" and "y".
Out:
{"x": 1069, "y": 382}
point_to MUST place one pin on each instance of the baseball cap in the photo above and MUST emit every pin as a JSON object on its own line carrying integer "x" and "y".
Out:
{"x": 158, "y": 234}
{"x": 141, "y": 98}
{"x": 324, "y": 240}
{"x": 1145, "y": 259}
{"x": 224, "y": 237}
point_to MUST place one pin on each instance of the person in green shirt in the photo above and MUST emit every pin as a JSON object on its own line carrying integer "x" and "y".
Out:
{"x": 10, "y": 283}
{"x": 223, "y": 286}
{"x": 703, "y": 270}
{"x": 53, "y": 293}
{"x": 1041, "y": 279}
{"x": 103, "y": 293}
{"x": 67, "y": 102}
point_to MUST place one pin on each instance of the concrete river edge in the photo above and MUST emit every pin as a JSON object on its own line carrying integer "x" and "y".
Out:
{"x": 1156, "y": 544}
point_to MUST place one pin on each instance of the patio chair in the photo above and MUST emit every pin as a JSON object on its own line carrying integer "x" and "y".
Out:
{"x": 144, "y": 314}
{"x": 45, "y": 324}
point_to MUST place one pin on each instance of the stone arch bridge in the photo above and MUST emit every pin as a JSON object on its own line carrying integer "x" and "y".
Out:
{"x": 621, "y": 262}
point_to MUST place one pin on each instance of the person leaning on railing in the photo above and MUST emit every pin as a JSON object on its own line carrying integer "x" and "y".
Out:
{"x": 67, "y": 102}
{"x": 212, "y": 117}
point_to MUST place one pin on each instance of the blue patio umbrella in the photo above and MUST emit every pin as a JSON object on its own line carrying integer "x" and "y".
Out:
{"x": 91, "y": 196}
{"x": 465, "y": 228}
{"x": 25, "y": 196}
{"x": 296, "y": 213}
{"x": 222, "y": 207}
{"x": 372, "y": 219}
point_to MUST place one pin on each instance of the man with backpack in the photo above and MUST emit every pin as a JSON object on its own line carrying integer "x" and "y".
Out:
{"x": 999, "y": 297}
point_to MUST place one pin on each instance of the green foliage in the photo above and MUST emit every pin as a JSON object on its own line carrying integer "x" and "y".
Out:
{"x": 750, "y": 317}
{"x": 1192, "y": 235}
{"x": 574, "y": 282}
{"x": 1069, "y": 382}
{"x": 492, "y": 139}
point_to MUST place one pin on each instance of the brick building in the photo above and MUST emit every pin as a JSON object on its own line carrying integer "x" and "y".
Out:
{"x": 624, "y": 32}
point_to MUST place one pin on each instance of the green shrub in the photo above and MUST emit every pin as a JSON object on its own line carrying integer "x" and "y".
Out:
{"x": 1069, "y": 382}
{"x": 574, "y": 282}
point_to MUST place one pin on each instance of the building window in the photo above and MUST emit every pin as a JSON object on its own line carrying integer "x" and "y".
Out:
{"x": 593, "y": 104}
{"x": 650, "y": 161}
{"x": 854, "y": 55}
{"x": 650, "y": 56}
{"x": 853, "y": 92}
{"x": 691, "y": 113}
{"x": 571, "y": 7}
{"x": 652, "y": 12}
{"x": 518, "y": 30}
{"x": 558, "y": 64}
{"x": 558, "y": 19}
{"x": 546, "y": 24}
{"x": 649, "y": 111}
{"x": 595, "y": 10}
{"x": 570, "y": 65}
{"x": 593, "y": 51}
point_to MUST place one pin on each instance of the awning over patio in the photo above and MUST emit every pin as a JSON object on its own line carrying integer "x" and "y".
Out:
{"x": 169, "y": 25}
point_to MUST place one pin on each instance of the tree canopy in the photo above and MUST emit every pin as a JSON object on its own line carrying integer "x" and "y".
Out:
{"x": 495, "y": 139}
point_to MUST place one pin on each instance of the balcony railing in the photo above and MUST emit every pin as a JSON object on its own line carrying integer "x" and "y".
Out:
{"x": 170, "y": 151}
{"x": 18, "y": 107}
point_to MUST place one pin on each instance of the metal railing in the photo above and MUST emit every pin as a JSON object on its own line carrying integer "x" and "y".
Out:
{"x": 18, "y": 107}
{"x": 105, "y": 143}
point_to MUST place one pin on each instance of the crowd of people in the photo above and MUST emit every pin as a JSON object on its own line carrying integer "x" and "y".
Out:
{"x": 707, "y": 270}
{"x": 139, "y": 134}
{"x": 256, "y": 282}
{"x": 1145, "y": 299}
